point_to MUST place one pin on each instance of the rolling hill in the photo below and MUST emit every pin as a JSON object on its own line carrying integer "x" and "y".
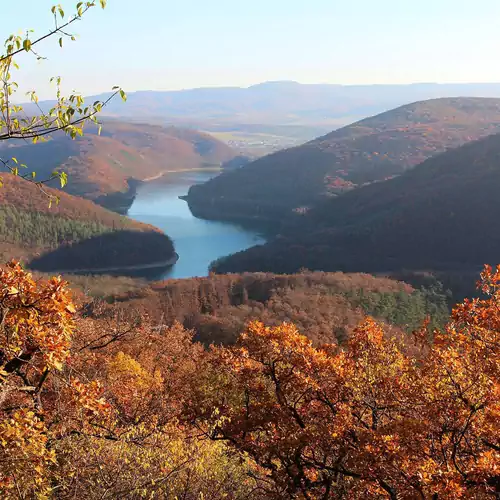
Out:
{"x": 100, "y": 165}
{"x": 29, "y": 228}
{"x": 441, "y": 215}
{"x": 374, "y": 149}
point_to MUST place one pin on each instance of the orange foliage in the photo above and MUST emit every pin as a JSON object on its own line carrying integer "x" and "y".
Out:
{"x": 122, "y": 408}
{"x": 35, "y": 337}
{"x": 369, "y": 421}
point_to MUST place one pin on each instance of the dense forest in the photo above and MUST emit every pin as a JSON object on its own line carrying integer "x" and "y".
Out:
{"x": 324, "y": 306}
{"x": 72, "y": 233}
{"x": 38, "y": 230}
{"x": 373, "y": 149}
{"x": 434, "y": 217}
{"x": 112, "y": 250}
{"x": 110, "y": 402}
{"x": 26, "y": 196}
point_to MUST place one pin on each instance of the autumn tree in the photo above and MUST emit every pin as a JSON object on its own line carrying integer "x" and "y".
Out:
{"x": 378, "y": 419}
{"x": 89, "y": 403}
{"x": 36, "y": 327}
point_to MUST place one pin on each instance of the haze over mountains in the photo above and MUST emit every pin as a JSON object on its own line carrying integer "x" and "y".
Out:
{"x": 274, "y": 115}
{"x": 287, "y": 102}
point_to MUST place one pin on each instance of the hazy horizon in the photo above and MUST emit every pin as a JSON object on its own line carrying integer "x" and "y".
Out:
{"x": 159, "y": 45}
{"x": 334, "y": 84}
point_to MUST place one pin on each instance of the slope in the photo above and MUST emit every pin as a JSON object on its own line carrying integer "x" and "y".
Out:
{"x": 371, "y": 150}
{"x": 30, "y": 227}
{"x": 441, "y": 215}
{"x": 324, "y": 306}
{"x": 98, "y": 165}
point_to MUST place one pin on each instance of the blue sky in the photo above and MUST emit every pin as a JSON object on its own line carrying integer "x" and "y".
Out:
{"x": 166, "y": 44}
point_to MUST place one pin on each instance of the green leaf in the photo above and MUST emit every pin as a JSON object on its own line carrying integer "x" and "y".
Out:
{"x": 103, "y": 3}
{"x": 14, "y": 160}
{"x": 123, "y": 95}
{"x": 63, "y": 177}
{"x": 27, "y": 45}
{"x": 60, "y": 42}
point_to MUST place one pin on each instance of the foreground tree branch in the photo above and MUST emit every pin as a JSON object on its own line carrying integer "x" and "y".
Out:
{"x": 69, "y": 114}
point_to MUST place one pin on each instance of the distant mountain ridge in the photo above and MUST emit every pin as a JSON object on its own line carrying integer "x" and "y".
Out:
{"x": 371, "y": 150}
{"x": 287, "y": 101}
{"x": 441, "y": 215}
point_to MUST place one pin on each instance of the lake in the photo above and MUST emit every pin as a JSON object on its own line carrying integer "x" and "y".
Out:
{"x": 198, "y": 242}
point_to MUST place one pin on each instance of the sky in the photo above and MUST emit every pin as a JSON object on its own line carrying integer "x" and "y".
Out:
{"x": 175, "y": 44}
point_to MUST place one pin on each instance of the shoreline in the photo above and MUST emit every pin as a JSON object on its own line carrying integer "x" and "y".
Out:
{"x": 136, "y": 267}
{"x": 120, "y": 202}
{"x": 166, "y": 172}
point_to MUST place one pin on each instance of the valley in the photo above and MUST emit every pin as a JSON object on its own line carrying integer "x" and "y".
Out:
{"x": 302, "y": 207}
{"x": 198, "y": 242}
{"x": 238, "y": 286}
{"x": 331, "y": 264}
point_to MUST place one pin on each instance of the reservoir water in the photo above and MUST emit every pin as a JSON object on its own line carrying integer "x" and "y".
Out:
{"x": 198, "y": 242}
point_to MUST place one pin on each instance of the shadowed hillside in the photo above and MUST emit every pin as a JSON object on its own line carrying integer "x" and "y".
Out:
{"x": 111, "y": 251}
{"x": 371, "y": 150}
{"x": 441, "y": 215}
{"x": 29, "y": 226}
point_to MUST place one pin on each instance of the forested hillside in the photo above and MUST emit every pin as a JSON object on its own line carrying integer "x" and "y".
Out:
{"x": 324, "y": 306}
{"x": 30, "y": 225}
{"x": 99, "y": 165}
{"x": 371, "y": 150}
{"x": 437, "y": 216}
